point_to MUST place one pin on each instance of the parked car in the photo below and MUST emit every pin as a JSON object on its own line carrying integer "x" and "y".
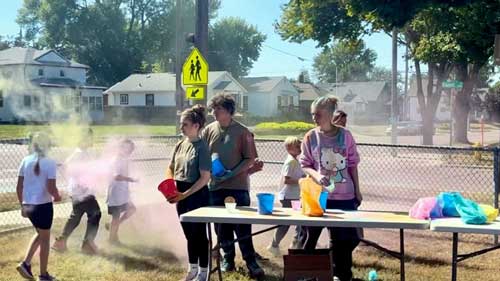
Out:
{"x": 406, "y": 128}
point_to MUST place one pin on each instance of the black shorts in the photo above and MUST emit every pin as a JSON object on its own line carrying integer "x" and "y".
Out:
{"x": 117, "y": 210}
{"x": 41, "y": 216}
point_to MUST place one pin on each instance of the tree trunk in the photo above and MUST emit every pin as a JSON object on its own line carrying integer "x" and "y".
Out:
{"x": 462, "y": 101}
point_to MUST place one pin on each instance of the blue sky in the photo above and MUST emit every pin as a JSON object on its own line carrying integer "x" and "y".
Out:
{"x": 261, "y": 13}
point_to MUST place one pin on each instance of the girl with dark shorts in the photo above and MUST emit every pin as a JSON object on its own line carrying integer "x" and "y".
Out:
{"x": 36, "y": 189}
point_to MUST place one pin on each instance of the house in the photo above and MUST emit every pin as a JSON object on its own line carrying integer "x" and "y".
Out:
{"x": 412, "y": 109}
{"x": 150, "y": 98}
{"x": 307, "y": 94}
{"x": 43, "y": 86}
{"x": 270, "y": 96}
{"x": 362, "y": 101}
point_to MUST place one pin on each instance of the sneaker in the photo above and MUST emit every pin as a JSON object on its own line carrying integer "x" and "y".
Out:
{"x": 254, "y": 270}
{"x": 59, "y": 245}
{"x": 190, "y": 276}
{"x": 227, "y": 265}
{"x": 275, "y": 251}
{"x": 25, "y": 270}
{"x": 46, "y": 277}
{"x": 260, "y": 258}
{"x": 89, "y": 248}
{"x": 202, "y": 276}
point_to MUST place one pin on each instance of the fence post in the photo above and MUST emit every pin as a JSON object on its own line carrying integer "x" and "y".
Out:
{"x": 496, "y": 170}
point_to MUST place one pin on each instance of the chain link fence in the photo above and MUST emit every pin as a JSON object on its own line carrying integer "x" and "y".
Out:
{"x": 392, "y": 177}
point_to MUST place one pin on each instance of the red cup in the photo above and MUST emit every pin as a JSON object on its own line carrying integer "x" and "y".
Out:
{"x": 168, "y": 188}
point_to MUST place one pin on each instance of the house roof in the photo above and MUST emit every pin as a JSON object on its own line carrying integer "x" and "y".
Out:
{"x": 152, "y": 82}
{"x": 308, "y": 92}
{"x": 63, "y": 83}
{"x": 261, "y": 84}
{"x": 347, "y": 91}
{"x": 16, "y": 55}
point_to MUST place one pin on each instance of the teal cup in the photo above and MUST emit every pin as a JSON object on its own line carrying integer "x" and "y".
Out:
{"x": 266, "y": 203}
{"x": 322, "y": 199}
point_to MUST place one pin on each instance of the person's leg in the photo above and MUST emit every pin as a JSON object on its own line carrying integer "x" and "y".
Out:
{"x": 225, "y": 232}
{"x": 32, "y": 248}
{"x": 128, "y": 213}
{"x": 282, "y": 230}
{"x": 114, "y": 226}
{"x": 343, "y": 241}
{"x": 44, "y": 237}
{"x": 313, "y": 234}
{"x": 93, "y": 217}
{"x": 73, "y": 220}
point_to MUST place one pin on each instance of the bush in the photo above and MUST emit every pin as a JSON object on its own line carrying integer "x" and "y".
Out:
{"x": 288, "y": 128}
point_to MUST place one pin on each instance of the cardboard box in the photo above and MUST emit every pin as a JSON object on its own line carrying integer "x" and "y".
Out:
{"x": 301, "y": 265}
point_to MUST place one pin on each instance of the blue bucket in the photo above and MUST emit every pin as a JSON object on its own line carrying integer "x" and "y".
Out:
{"x": 266, "y": 203}
{"x": 323, "y": 197}
{"x": 218, "y": 169}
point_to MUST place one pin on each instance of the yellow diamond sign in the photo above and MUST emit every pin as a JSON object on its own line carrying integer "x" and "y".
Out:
{"x": 195, "y": 69}
{"x": 195, "y": 93}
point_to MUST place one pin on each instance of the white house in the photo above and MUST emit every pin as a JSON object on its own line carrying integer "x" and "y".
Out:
{"x": 270, "y": 96}
{"x": 412, "y": 109}
{"x": 42, "y": 86}
{"x": 150, "y": 98}
{"x": 362, "y": 101}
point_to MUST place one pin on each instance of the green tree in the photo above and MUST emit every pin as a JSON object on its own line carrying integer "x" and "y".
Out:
{"x": 234, "y": 46}
{"x": 350, "y": 60}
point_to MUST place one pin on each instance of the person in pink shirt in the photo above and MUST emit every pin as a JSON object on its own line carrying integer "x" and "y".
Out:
{"x": 330, "y": 157}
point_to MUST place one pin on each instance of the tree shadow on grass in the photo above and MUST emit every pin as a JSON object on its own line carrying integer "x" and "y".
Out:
{"x": 131, "y": 263}
{"x": 157, "y": 253}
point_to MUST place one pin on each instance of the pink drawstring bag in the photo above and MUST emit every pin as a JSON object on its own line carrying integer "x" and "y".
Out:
{"x": 425, "y": 208}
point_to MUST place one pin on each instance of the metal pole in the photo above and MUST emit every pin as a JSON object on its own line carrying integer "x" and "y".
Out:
{"x": 179, "y": 100}
{"x": 394, "y": 95}
{"x": 451, "y": 116}
{"x": 496, "y": 181}
{"x": 201, "y": 35}
{"x": 406, "y": 78}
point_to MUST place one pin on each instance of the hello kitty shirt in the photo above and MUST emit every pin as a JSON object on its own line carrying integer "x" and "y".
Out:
{"x": 331, "y": 156}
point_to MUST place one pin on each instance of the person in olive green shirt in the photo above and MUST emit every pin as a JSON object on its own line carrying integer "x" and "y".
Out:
{"x": 190, "y": 167}
{"x": 235, "y": 147}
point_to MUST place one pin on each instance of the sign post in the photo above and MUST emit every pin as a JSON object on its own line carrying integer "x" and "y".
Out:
{"x": 453, "y": 86}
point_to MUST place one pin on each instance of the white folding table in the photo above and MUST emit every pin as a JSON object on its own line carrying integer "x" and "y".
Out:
{"x": 287, "y": 216}
{"x": 456, "y": 226}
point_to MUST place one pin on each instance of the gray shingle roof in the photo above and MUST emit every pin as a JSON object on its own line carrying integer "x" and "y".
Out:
{"x": 261, "y": 84}
{"x": 369, "y": 91}
{"x": 153, "y": 82}
{"x": 18, "y": 55}
{"x": 309, "y": 92}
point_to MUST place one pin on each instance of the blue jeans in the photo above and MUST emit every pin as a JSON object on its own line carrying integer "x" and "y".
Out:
{"x": 225, "y": 230}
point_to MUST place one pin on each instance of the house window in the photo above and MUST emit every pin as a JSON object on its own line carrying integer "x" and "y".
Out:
{"x": 40, "y": 72}
{"x": 61, "y": 73}
{"x": 85, "y": 102}
{"x": 245, "y": 103}
{"x": 98, "y": 103}
{"x": 92, "y": 103}
{"x": 280, "y": 102}
{"x": 36, "y": 101}
{"x": 150, "y": 99}
{"x": 27, "y": 101}
{"x": 1, "y": 98}
{"x": 123, "y": 99}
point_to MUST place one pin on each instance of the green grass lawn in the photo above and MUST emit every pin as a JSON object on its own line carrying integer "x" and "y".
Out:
{"x": 21, "y": 131}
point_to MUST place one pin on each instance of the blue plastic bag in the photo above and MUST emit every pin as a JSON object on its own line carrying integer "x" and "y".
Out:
{"x": 446, "y": 201}
{"x": 470, "y": 212}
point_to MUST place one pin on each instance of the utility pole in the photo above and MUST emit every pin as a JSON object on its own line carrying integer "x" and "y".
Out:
{"x": 394, "y": 89}
{"x": 201, "y": 35}
{"x": 179, "y": 93}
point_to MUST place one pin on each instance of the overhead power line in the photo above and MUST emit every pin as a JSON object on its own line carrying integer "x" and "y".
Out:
{"x": 286, "y": 53}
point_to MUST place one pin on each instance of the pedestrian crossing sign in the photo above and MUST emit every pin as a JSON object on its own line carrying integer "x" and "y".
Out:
{"x": 195, "y": 69}
{"x": 195, "y": 93}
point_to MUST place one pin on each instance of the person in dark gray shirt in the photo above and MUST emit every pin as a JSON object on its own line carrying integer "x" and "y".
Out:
{"x": 190, "y": 168}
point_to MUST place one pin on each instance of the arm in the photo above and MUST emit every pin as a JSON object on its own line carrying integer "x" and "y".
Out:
{"x": 19, "y": 189}
{"x": 124, "y": 178}
{"x": 201, "y": 182}
{"x": 353, "y": 171}
{"x": 289, "y": 180}
{"x": 307, "y": 162}
{"x": 249, "y": 154}
{"x": 170, "y": 173}
{"x": 52, "y": 189}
